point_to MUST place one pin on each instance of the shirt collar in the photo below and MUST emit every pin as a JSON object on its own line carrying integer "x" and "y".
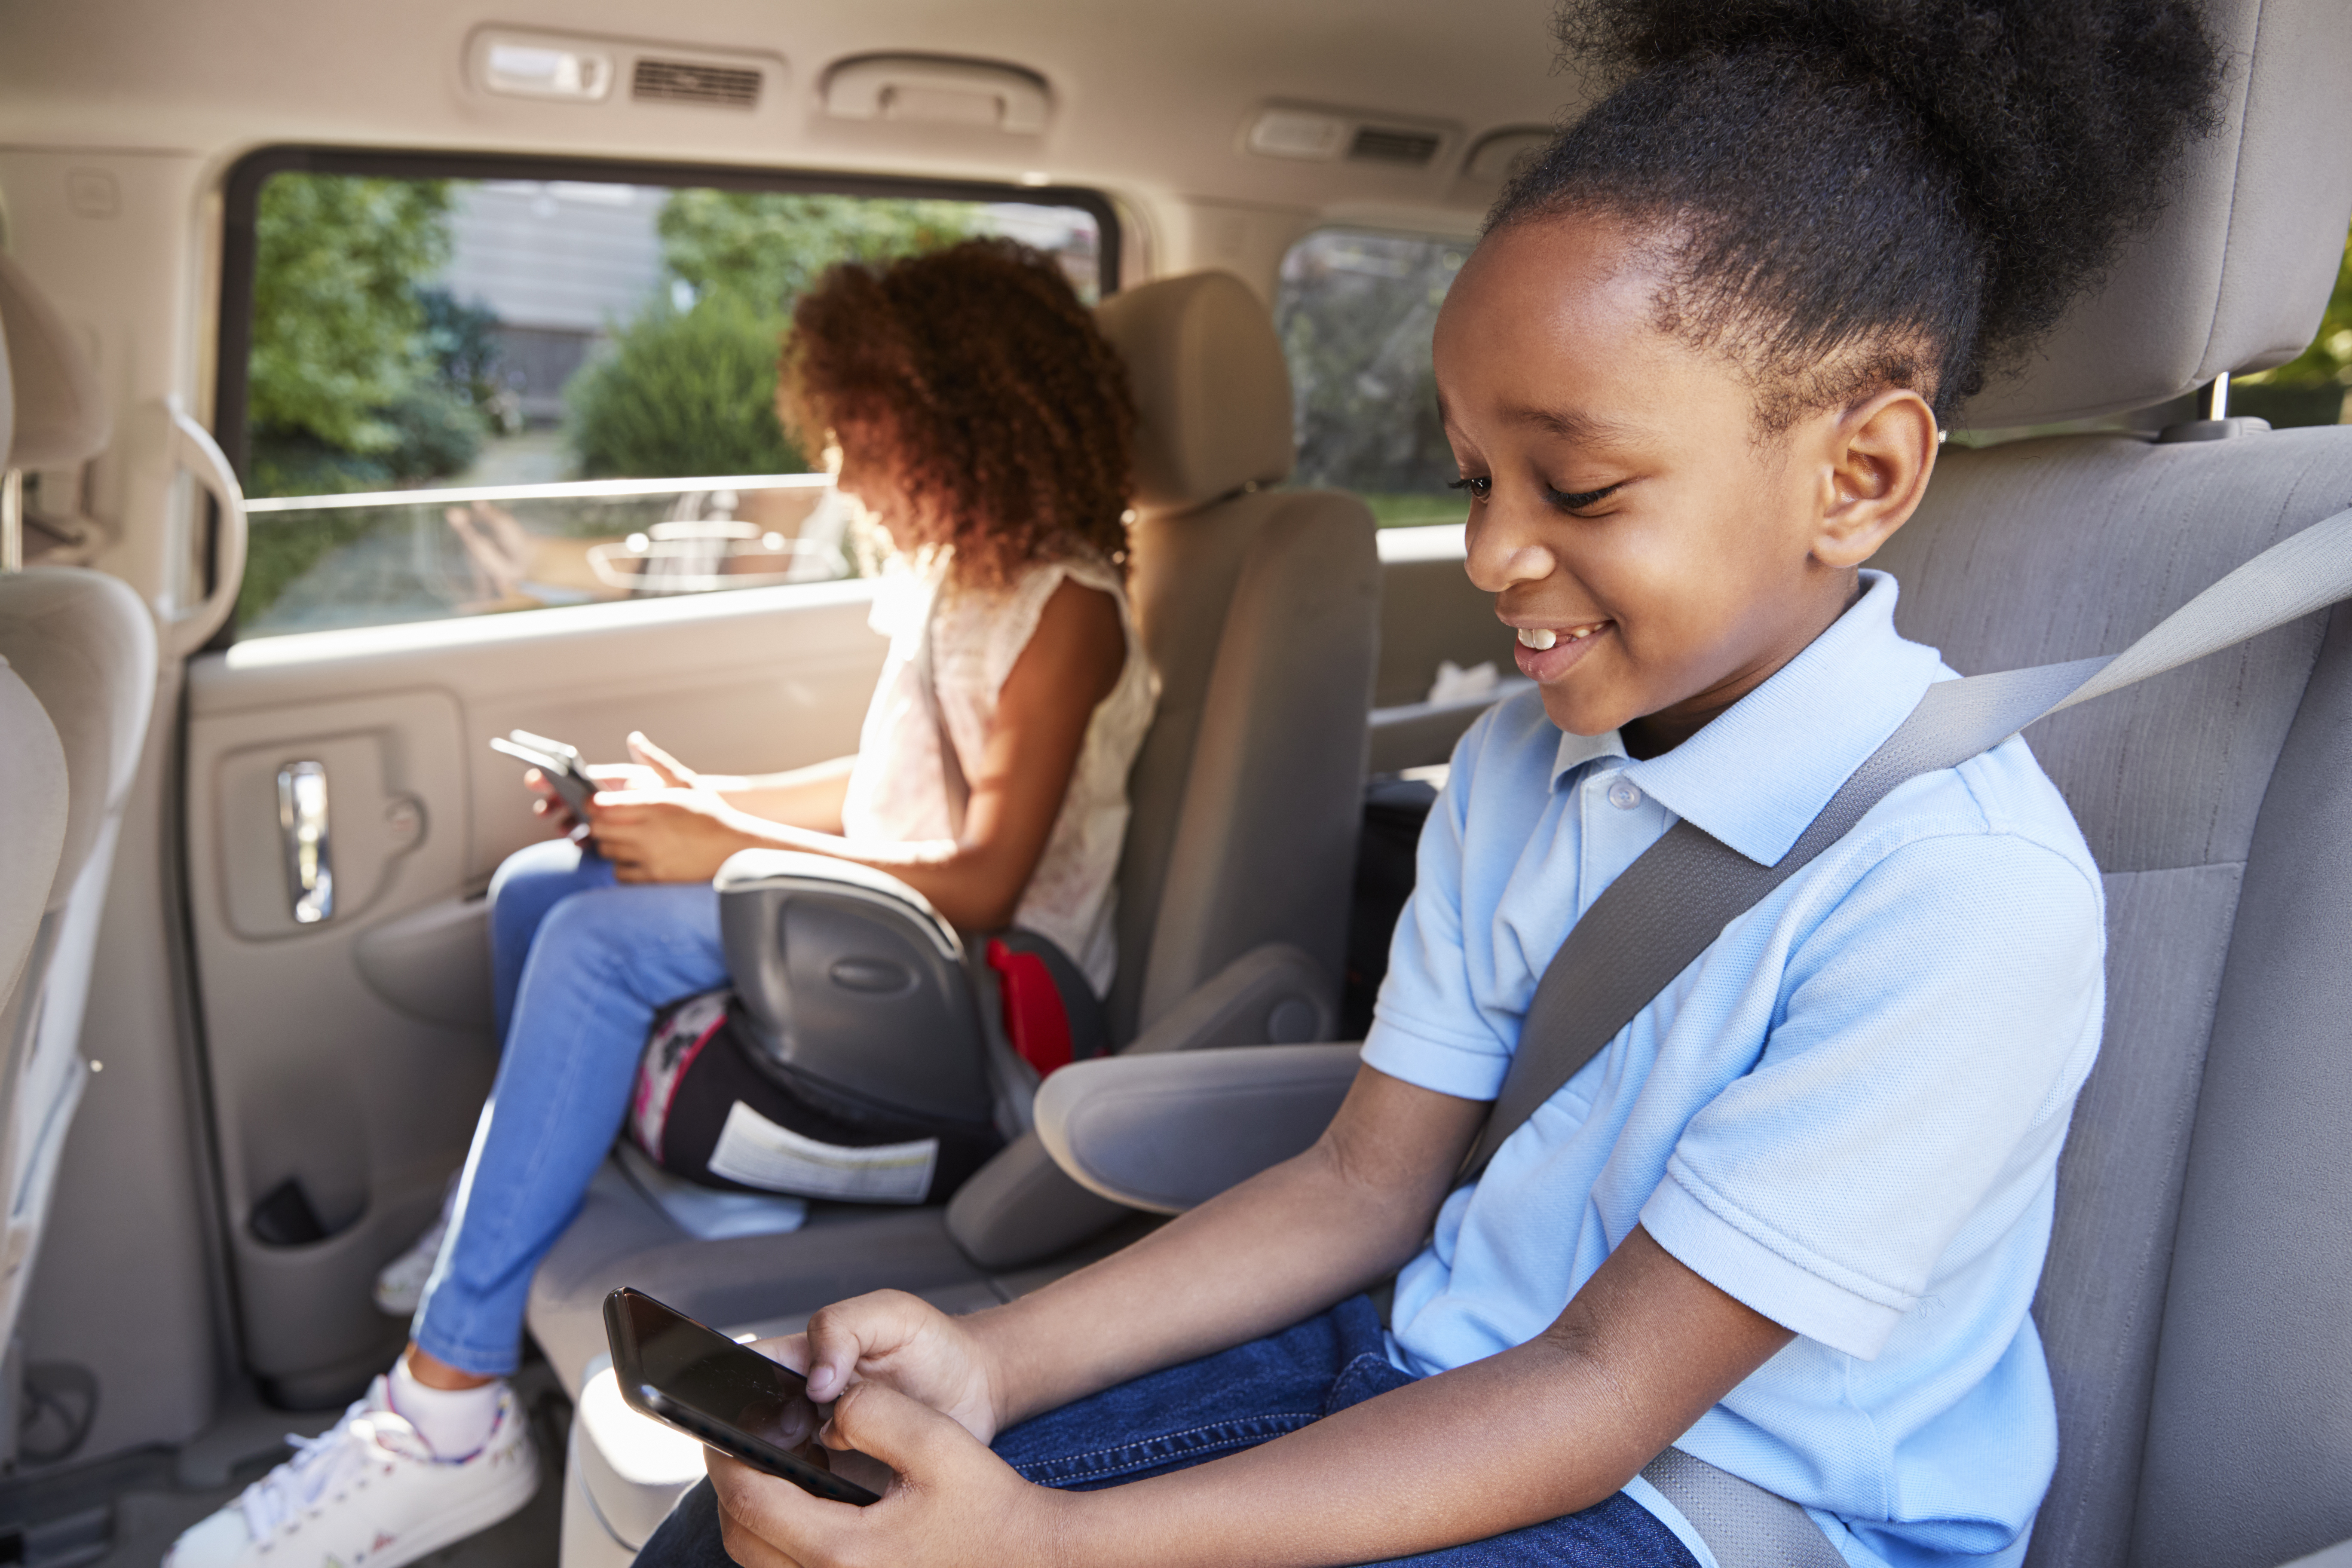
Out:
{"x": 1576, "y": 750}
{"x": 1759, "y": 773}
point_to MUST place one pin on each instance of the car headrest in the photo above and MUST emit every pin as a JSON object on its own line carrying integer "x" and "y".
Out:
{"x": 60, "y": 416}
{"x": 2234, "y": 274}
{"x": 1210, "y": 384}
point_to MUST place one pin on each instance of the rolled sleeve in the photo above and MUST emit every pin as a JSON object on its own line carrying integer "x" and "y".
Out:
{"x": 1428, "y": 1027}
{"x": 1920, "y": 1084}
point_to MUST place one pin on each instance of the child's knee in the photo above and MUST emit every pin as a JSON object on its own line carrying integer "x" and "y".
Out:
{"x": 531, "y": 868}
{"x": 590, "y": 922}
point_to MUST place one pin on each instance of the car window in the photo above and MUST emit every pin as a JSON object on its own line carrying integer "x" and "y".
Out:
{"x": 467, "y": 396}
{"x": 1356, "y": 311}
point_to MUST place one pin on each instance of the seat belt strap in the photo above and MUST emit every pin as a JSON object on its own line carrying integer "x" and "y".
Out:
{"x": 1744, "y": 1525}
{"x": 1670, "y": 905}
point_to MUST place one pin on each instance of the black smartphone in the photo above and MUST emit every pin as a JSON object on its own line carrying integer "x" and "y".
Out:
{"x": 691, "y": 1376}
{"x": 566, "y": 775}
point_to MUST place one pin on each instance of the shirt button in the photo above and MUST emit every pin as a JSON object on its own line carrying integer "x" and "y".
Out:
{"x": 1624, "y": 793}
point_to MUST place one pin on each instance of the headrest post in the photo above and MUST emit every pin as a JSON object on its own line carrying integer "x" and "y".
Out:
{"x": 12, "y": 520}
{"x": 2213, "y": 398}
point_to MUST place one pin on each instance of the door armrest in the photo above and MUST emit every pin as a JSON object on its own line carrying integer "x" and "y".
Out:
{"x": 1167, "y": 1131}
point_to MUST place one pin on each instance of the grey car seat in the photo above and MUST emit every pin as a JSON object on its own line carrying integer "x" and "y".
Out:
{"x": 1259, "y": 608}
{"x": 33, "y": 798}
{"x": 84, "y": 647}
{"x": 2197, "y": 1303}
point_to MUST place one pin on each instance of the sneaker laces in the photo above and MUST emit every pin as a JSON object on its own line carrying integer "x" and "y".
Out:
{"x": 321, "y": 1465}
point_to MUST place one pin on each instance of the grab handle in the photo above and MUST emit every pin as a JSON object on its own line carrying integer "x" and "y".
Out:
{"x": 195, "y": 451}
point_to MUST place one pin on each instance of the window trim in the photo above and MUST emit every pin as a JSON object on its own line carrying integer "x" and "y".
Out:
{"x": 241, "y": 201}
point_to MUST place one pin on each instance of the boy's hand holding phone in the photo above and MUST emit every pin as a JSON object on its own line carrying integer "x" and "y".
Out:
{"x": 913, "y": 1389}
{"x": 950, "y": 1500}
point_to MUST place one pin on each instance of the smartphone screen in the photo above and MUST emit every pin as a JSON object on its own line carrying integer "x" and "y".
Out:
{"x": 698, "y": 1380}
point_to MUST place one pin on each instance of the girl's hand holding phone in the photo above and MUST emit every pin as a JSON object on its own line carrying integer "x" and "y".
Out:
{"x": 652, "y": 768}
{"x": 666, "y": 834}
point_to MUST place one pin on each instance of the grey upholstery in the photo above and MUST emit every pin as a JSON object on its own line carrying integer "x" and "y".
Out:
{"x": 2250, "y": 1444}
{"x": 81, "y": 649}
{"x": 2180, "y": 784}
{"x": 2234, "y": 275}
{"x": 1260, "y": 610}
{"x": 32, "y": 830}
{"x": 1164, "y": 1132}
{"x": 84, "y": 645}
{"x": 1244, "y": 824}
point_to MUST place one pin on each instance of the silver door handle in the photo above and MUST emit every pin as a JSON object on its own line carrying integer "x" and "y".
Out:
{"x": 302, "y": 822}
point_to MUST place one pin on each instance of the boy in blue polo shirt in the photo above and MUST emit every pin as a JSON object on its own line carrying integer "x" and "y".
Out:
{"x": 1789, "y": 1221}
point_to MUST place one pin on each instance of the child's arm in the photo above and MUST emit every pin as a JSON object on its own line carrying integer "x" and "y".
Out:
{"x": 1281, "y": 1246}
{"x": 1541, "y": 1430}
{"x": 1071, "y": 663}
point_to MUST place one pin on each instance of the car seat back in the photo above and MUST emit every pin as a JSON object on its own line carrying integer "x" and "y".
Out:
{"x": 1260, "y": 609}
{"x": 2196, "y": 1302}
{"x": 2169, "y": 781}
{"x": 84, "y": 647}
{"x": 32, "y": 799}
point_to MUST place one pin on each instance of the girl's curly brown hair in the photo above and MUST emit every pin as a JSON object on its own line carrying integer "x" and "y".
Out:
{"x": 1000, "y": 408}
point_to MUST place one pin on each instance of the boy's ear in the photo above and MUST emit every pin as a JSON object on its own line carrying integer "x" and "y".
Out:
{"x": 1881, "y": 452}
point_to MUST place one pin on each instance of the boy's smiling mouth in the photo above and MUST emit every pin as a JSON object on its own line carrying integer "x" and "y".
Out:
{"x": 1545, "y": 653}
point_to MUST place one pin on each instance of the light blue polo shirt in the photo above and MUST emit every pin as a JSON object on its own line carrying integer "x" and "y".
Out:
{"x": 1846, "y": 1113}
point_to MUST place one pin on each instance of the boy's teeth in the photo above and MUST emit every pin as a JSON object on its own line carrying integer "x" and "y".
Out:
{"x": 1537, "y": 636}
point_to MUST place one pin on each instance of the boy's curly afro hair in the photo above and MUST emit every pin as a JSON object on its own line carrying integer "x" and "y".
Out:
{"x": 1003, "y": 409}
{"x": 1852, "y": 194}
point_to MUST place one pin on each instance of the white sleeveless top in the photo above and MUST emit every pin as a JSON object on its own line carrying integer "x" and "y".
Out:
{"x": 897, "y": 792}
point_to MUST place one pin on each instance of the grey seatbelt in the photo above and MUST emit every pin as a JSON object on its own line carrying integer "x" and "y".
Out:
{"x": 1671, "y": 904}
{"x": 952, "y": 782}
{"x": 1744, "y": 1525}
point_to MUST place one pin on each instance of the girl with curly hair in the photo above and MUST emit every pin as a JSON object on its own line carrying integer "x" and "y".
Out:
{"x": 1772, "y": 1250}
{"x": 977, "y": 413}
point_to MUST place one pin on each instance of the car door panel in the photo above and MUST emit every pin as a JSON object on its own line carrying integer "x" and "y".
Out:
{"x": 350, "y": 1055}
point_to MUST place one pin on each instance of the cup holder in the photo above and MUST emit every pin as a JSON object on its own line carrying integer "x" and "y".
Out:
{"x": 286, "y": 1217}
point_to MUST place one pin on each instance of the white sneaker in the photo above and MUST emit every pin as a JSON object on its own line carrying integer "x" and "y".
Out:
{"x": 401, "y": 1286}
{"x": 367, "y": 1494}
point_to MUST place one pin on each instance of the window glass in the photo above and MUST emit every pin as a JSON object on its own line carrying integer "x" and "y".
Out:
{"x": 1356, "y": 312}
{"x": 468, "y": 397}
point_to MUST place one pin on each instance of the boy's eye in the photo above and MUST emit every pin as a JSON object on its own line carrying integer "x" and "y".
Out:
{"x": 1479, "y": 487}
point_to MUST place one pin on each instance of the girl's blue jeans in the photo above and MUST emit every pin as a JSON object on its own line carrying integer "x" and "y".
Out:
{"x": 1223, "y": 1403}
{"x": 580, "y": 964}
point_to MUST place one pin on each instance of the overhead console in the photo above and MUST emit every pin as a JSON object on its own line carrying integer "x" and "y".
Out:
{"x": 527, "y": 63}
{"x": 936, "y": 91}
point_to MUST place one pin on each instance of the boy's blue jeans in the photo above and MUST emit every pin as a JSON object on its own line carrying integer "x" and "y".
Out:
{"x": 1221, "y": 1404}
{"x": 580, "y": 964}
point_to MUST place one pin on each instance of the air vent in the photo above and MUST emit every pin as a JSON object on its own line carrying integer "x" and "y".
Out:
{"x": 1392, "y": 145}
{"x": 688, "y": 81}
{"x": 1313, "y": 134}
